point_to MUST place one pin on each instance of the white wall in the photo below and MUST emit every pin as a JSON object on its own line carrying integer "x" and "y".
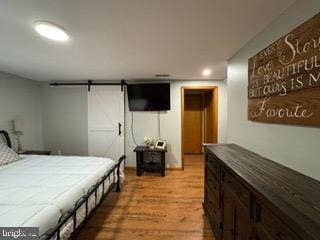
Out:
{"x": 20, "y": 98}
{"x": 145, "y": 123}
{"x": 294, "y": 146}
{"x": 65, "y": 117}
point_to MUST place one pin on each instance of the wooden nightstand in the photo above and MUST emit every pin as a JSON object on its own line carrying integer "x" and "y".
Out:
{"x": 36, "y": 152}
{"x": 142, "y": 165}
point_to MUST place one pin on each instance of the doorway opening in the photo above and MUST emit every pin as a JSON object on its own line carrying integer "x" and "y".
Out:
{"x": 199, "y": 119}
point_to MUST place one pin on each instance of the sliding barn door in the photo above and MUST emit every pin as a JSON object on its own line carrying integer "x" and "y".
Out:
{"x": 106, "y": 122}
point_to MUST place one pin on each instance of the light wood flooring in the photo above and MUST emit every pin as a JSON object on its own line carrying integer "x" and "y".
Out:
{"x": 150, "y": 207}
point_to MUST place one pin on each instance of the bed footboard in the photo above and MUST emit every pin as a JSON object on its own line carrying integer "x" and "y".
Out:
{"x": 73, "y": 220}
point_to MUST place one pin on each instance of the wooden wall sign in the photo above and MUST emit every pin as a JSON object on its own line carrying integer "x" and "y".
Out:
{"x": 284, "y": 78}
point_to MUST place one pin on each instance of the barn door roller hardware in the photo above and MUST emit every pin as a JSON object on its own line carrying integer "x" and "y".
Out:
{"x": 90, "y": 83}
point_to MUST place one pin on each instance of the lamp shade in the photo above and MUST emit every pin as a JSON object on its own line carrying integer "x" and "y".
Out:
{"x": 17, "y": 125}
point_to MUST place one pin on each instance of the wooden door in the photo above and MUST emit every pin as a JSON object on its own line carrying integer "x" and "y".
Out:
{"x": 208, "y": 106}
{"x": 192, "y": 124}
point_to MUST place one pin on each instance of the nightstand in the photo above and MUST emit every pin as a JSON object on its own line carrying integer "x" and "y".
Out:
{"x": 152, "y": 166}
{"x": 36, "y": 152}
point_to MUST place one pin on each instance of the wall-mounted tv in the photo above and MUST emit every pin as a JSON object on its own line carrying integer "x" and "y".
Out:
{"x": 149, "y": 97}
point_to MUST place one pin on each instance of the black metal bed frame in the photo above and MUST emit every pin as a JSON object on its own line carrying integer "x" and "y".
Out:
{"x": 6, "y": 137}
{"x": 54, "y": 233}
{"x": 93, "y": 191}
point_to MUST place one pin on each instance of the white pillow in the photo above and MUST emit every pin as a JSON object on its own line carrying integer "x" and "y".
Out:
{"x": 7, "y": 155}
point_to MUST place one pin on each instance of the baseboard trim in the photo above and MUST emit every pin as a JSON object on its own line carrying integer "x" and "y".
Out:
{"x": 169, "y": 169}
{"x": 130, "y": 168}
{"x": 175, "y": 169}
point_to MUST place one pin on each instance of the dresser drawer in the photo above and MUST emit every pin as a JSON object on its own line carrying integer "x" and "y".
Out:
{"x": 237, "y": 188}
{"x": 266, "y": 221}
{"x": 213, "y": 203}
{"x": 212, "y": 181}
{"x": 214, "y": 166}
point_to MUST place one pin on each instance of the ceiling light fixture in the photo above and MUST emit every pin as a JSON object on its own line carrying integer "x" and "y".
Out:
{"x": 206, "y": 72}
{"x": 51, "y": 31}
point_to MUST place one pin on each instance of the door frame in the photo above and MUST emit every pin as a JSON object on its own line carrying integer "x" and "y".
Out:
{"x": 214, "y": 90}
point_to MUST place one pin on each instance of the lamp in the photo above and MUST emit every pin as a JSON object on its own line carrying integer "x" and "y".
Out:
{"x": 17, "y": 126}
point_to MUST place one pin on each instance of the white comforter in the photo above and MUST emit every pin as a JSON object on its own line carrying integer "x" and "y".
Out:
{"x": 37, "y": 190}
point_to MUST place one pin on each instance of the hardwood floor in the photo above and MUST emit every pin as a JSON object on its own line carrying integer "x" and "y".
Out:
{"x": 150, "y": 207}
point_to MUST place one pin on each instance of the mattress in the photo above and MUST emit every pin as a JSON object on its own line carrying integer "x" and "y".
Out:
{"x": 37, "y": 190}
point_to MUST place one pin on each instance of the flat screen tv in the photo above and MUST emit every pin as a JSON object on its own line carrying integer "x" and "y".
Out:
{"x": 149, "y": 97}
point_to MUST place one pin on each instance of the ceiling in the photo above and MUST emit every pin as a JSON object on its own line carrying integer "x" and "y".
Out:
{"x": 130, "y": 39}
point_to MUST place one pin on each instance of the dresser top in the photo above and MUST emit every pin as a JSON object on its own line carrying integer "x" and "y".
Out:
{"x": 292, "y": 195}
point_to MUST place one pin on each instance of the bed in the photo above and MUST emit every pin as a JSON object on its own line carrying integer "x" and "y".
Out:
{"x": 55, "y": 193}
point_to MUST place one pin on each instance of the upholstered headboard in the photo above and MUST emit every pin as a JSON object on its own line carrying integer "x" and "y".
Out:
{"x": 4, "y": 137}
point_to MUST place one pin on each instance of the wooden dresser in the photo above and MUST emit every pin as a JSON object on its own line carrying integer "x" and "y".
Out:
{"x": 250, "y": 197}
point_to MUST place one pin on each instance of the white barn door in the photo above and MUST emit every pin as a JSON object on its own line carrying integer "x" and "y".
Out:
{"x": 106, "y": 122}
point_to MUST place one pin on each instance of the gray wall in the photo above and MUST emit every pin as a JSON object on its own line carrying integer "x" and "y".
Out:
{"x": 54, "y": 118}
{"x": 293, "y": 146}
{"x": 20, "y": 98}
{"x": 65, "y": 119}
{"x": 65, "y": 125}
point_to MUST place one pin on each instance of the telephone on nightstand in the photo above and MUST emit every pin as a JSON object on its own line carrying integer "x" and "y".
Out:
{"x": 161, "y": 144}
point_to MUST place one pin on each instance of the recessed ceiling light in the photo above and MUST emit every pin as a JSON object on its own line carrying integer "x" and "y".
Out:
{"x": 51, "y": 31}
{"x": 206, "y": 72}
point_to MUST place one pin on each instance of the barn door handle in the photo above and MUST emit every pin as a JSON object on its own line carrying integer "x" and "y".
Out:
{"x": 119, "y": 128}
